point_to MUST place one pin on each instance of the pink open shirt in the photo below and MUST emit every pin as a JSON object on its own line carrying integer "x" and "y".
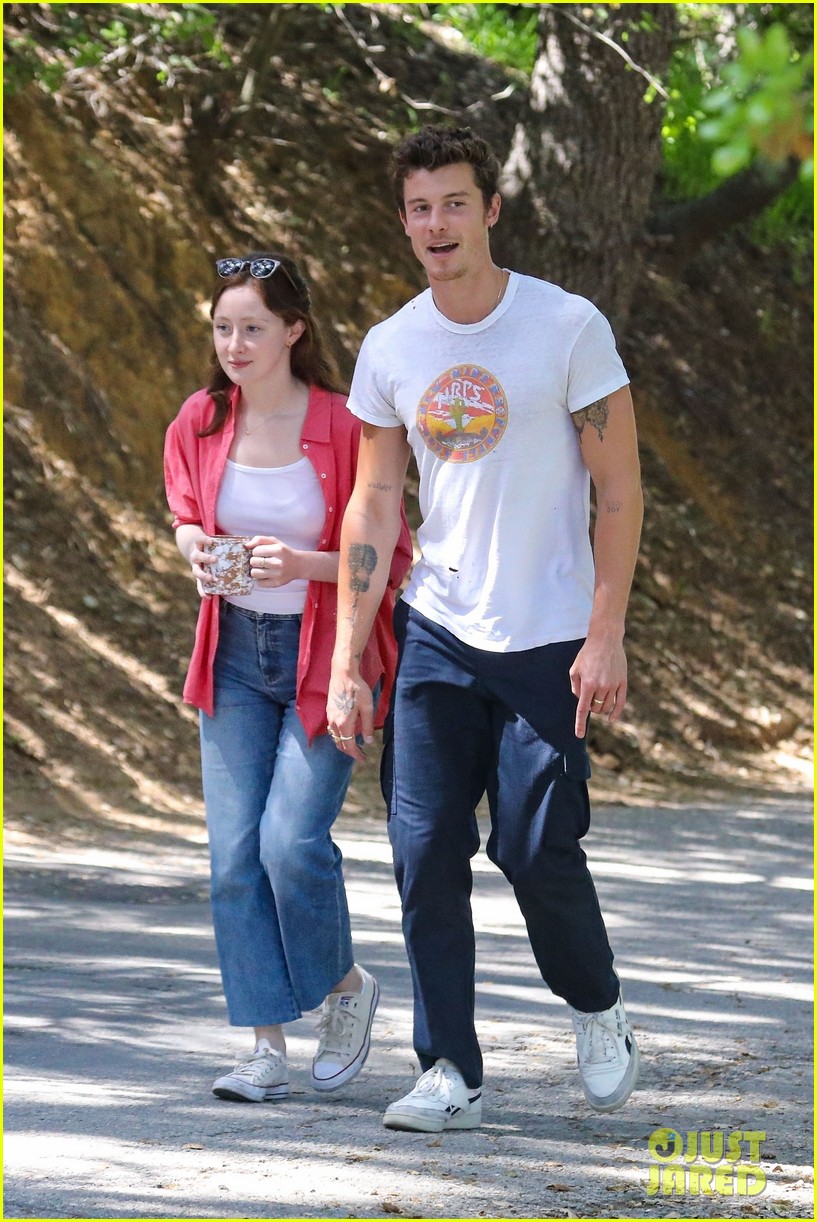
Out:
{"x": 193, "y": 471}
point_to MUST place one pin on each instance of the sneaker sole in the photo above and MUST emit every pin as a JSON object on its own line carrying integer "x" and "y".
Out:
{"x": 353, "y": 1069}
{"x": 252, "y": 1094}
{"x": 611, "y": 1103}
{"x": 411, "y": 1123}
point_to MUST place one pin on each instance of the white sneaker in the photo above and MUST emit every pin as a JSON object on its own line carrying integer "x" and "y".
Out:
{"x": 263, "y": 1076}
{"x": 608, "y": 1057}
{"x": 440, "y": 1100}
{"x": 345, "y": 1029}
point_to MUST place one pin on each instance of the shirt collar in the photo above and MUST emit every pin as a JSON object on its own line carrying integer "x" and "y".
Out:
{"x": 318, "y": 415}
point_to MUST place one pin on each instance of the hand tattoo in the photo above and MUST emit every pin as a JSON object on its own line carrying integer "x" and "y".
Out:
{"x": 596, "y": 414}
{"x": 344, "y": 702}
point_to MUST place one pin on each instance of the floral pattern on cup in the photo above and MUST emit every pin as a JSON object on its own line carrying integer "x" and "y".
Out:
{"x": 231, "y": 571}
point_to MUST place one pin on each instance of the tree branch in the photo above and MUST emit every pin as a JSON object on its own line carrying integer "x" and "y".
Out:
{"x": 385, "y": 82}
{"x": 682, "y": 229}
{"x": 610, "y": 42}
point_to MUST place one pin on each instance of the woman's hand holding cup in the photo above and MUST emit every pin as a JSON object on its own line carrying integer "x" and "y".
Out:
{"x": 201, "y": 565}
{"x": 273, "y": 563}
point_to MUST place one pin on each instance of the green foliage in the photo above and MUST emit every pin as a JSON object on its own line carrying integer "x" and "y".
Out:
{"x": 54, "y": 44}
{"x": 506, "y": 33}
{"x": 736, "y": 92}
{"x": 788, "y": 222}
{"x": 762, "y": 107}
{"x": 739, "y": 83}
{"x": 739, "y": 79}
{"x": 687, "y": 169}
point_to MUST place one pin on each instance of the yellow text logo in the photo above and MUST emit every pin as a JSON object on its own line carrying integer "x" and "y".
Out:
{"x": 704, "y": 1162}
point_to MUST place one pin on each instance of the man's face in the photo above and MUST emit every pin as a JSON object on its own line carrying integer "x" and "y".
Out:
{"x": 447, "y": 221}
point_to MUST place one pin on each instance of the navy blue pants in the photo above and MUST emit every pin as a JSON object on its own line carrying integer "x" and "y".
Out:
{"x": 465, "y": 722}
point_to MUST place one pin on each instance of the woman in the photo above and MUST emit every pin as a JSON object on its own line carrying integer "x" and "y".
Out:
{"x": 268, "y": 451}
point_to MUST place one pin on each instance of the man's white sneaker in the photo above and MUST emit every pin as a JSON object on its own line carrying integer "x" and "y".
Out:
{"x": 263, "y": 1076}
{"x": 440, "y": 1100}
{"x": 608, "y": 1056}
{"x": 345, "y": 1029}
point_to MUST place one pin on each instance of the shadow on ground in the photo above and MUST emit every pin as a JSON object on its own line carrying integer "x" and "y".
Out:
{"x": 116, "y": 1029}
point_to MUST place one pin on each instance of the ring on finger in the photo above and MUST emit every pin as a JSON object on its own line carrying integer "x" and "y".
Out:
{"x": 597, "y": 701}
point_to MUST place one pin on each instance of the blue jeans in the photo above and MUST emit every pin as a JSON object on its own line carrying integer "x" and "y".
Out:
{"x": 278, "y": 898}
{"x": 465, "y": 722}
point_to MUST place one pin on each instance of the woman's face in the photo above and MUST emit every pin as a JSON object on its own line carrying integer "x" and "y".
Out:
{"x": 252, "y": 344}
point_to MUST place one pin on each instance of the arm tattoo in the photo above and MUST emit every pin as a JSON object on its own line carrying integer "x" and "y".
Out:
{"x": 362, "y": 563}
{"x": 379, "y": 487}
{"x": 596, "y": 414}
{"x": 613, "y": 506}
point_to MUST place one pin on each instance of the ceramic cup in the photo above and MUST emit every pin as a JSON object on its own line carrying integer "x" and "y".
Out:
{"x": 231, "y": 571}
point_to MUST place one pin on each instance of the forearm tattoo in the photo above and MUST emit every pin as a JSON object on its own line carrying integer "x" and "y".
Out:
{"x": 596, "y": 414}
{"x": 379, "y": 487}
{"x": 362, "y": 563}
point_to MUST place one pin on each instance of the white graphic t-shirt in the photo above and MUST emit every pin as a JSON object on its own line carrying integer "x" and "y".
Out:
{"x": 505, "y": 496}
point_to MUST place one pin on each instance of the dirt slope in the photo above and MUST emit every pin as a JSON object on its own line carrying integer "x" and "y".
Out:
{"x": 113, "y": 214}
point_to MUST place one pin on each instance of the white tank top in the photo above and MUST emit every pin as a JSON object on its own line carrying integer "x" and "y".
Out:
{"x": 285, "y": 502}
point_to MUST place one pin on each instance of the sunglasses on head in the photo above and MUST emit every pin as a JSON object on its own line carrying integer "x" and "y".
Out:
{"x": 260, "y": 269}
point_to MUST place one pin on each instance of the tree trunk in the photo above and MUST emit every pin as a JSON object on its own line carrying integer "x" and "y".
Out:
{"x": 578, "y": 181}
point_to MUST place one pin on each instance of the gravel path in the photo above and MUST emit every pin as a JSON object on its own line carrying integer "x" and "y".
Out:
{"x": 116, "y": 1029}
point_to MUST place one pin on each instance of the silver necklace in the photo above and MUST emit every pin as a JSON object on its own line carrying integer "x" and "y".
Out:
{"x": 501, "y": 290}
{"x": 271, "y": 416}
{"x": 502, "y": 286}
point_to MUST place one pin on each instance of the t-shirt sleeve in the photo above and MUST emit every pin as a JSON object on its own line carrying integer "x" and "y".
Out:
{"x": 595, "y": 369}
{"x": 369, "y": 397}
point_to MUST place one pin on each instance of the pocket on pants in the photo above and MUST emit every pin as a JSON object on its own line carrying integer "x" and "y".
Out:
{"x": 577, "y": 761}
{"x": 569, "y": 811}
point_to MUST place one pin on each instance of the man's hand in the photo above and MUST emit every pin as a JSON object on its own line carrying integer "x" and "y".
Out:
{"x": 598, "y": 679}
{"x": 349, "y": 712}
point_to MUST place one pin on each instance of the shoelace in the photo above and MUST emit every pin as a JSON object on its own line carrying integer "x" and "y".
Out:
{"x": 599, "y": 1043}
{"x": 255, "y": 1065}
{"x": 335, "y": 1029}
{"x": 434, "y": 1082}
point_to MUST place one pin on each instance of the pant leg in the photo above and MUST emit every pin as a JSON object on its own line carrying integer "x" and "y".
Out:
{"x": 540, "y": 810}
{"x": 302, "y": 862}
{"x": 238, "y": 750}
{"x": 433, "y": 779}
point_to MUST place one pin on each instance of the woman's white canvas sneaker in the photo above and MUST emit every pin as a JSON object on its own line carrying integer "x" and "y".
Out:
{"x": 261, "y": 1077}
{"x": 440, "y": 1100}
{"x": 608, "y": 1057}
{"x": 345, "y": 1030}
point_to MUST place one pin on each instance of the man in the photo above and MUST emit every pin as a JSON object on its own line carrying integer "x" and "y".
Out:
{"x": 512, "y": 396}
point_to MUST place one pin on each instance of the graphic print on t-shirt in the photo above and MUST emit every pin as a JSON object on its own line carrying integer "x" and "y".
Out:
{"x": 463, "y": 414}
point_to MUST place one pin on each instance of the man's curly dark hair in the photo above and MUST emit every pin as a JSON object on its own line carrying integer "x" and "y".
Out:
{"x": 436, "y": 146}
